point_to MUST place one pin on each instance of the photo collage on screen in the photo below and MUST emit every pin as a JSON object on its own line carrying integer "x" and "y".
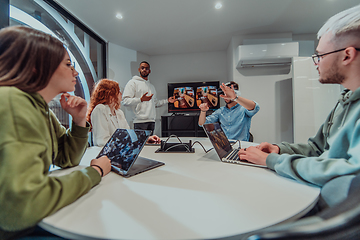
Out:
{"x": 189, "y": 96}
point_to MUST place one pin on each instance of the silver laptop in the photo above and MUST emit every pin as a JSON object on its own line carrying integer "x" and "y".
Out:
{"x": 123, "y": 149}
{"x": 222, "y": 145}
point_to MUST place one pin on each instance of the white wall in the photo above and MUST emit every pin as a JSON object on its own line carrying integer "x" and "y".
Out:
{"x": 122, "y": 65}
{"x": 192, "y": 67}
{"x": 313, "y": 101}
{"x": 271, "y": 88}
{"x": 273, "y": 92}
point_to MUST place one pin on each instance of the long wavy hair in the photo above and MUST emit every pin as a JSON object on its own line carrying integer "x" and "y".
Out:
{"x": 28, "y": 58}
{"x": 104, "y": 92}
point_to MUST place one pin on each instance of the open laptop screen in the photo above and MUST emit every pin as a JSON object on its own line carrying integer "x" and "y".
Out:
{"x": 124, "y": 147}
{"x": 218, "y": 138}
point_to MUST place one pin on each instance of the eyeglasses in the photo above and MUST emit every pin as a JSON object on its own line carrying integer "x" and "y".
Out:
{"x": 316, "y": 57}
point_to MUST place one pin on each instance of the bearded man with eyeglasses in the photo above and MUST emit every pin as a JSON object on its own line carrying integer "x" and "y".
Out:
{"x": 330, "y": 159}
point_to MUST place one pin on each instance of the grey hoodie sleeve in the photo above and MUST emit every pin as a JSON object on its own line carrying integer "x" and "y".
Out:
{"x": 324, "y": 157}
{"x": 159, "y": 103}
{"x": 129, "y": 98}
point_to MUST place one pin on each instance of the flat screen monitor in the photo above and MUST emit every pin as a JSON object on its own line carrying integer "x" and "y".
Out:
{"x": 189, "y": 96}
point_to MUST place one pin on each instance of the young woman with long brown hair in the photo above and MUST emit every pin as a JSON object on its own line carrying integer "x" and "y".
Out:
{"x": 34, "y": 68}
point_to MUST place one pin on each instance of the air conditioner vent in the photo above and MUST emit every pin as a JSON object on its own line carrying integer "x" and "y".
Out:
{"x": 267, "y": 55}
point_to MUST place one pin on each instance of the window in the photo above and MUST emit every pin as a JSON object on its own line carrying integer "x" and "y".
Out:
{"x": 86, "y": 49}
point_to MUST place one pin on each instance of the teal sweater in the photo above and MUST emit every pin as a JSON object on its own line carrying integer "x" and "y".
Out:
{"x": 333, "y": 152}
{"x": 31, "y": 139}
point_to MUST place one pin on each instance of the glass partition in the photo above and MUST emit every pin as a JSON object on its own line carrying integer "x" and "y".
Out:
{"x": 86, "y": 49}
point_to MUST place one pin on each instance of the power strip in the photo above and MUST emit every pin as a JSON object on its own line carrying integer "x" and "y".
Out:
{"x": 175, "y": 147}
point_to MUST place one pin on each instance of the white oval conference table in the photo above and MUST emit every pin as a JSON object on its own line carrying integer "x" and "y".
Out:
{"x": 193, "y": 196}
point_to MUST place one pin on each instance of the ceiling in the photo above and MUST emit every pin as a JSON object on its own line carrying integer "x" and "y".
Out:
{"x": 156, "y": 27}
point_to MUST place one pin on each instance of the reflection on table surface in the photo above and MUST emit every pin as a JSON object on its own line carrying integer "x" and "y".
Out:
{"x": 193, "y": 196}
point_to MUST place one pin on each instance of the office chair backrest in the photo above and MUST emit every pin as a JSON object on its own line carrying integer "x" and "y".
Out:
{"x": 251, "y": 138}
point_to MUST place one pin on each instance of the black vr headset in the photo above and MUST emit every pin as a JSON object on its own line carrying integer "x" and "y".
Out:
{"x": 228, "y": 84}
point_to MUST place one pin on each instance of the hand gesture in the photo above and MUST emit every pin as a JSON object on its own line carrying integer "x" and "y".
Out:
{"x": 154, "y": 139}
{"x": 76, "y": 107}
{"x": 268, "y": 148}
{"x": 204, "y": 107}
{"x": 104, "y": 163}
{"x": 171, "y": 99}
{"x": 146, "y": 98}
{"x": 229, "y": 92}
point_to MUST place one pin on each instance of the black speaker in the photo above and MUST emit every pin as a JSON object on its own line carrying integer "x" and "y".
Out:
{"x": 181, "y": 123}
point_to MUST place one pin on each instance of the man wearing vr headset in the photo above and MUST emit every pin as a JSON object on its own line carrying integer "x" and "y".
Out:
{"x": 235, "y": 117}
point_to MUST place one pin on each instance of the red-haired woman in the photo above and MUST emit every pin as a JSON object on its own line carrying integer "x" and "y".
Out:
{"x": 104, "y": 112}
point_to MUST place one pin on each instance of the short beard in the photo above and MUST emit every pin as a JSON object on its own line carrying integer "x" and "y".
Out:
{"x": 144, "y": 75}
{"x": 334, "y": 77}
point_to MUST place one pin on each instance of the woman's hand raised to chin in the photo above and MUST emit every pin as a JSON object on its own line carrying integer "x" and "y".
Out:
{"x": 76, "y": 107}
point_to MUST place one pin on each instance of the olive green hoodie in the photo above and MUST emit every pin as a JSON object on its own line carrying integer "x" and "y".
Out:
{"x": 31, "y": 138}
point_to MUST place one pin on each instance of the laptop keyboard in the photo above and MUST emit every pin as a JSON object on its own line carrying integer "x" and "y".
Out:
{"x": 234, "y": 155}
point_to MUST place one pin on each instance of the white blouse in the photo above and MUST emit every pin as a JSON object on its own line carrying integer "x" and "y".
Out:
{"x": 104, "y": 123}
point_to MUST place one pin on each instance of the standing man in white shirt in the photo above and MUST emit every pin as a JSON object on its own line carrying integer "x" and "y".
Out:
{"x": 140, "y": 95}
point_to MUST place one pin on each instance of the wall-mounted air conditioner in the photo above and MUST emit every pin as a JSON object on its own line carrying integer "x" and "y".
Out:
{"x": 267, "y": 55}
